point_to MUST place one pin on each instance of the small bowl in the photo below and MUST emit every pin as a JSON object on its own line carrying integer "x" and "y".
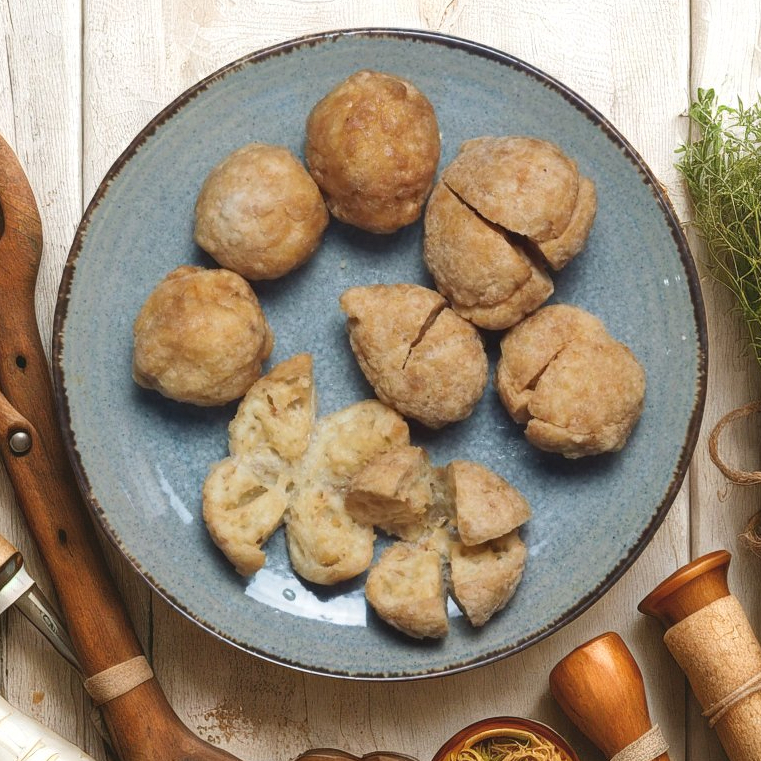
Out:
{"x": 493, "y": 727}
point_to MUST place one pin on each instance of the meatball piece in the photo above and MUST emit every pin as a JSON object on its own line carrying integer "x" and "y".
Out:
{"x": 259, "y": 213}
{"x": 580, "y": 391}
{"x": 201, "y": 337}
{"x": 529, "y": 347}
{"x": 419, "y": 356}
{"x": 406, "y": 589}
{"x": 489, "y": 279}
{"x": 528, "y": 187}
{"x": 373, "y": 147}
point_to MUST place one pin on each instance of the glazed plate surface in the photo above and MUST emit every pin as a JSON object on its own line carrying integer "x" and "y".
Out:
{"x": 141, "y": 459}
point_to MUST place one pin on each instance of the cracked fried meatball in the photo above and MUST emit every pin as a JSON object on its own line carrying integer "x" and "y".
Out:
{"x": 489, "y": 279}
{"x": 421, "y": 358}
{"x": 373, "y": 146}
{"x": 579, "y": 391}
{"x": 201, "y": 337}
{"x": 259, "y": 213}
{"x": 527, "y": 187}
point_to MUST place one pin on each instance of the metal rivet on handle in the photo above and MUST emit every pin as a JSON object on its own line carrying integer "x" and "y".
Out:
{"x": 20, "y": 442}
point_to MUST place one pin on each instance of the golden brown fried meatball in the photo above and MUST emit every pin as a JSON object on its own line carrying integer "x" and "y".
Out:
{"x": 201, "y": 337}
{"x": 420, "y": 357}
{"x": 489, "y": 279}
{"x": 373, "y": 147}
{"x": 528, "y": 187}
{"x": 528, "y": 348}
{"x": 580, "y": 391}
{"x": 259, "y": 213}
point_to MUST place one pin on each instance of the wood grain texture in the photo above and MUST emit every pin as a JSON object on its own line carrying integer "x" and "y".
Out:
{"x": 40, "y": 112}
{"x": 726, "y": 55}
{"x": 632, "y": 61}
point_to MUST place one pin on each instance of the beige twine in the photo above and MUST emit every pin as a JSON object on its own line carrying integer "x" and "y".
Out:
{"x": 720, "y": 707}
{"x": 118, "y": 680}
{"x": 648, "y": 747}
{"x": 742, "y": 477}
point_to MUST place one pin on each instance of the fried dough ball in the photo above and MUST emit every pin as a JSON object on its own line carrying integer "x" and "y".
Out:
{"x": 489, "y": 279}
{"x": 201, "y": 337}
{"x": 326, "y": 545}
{"x": 580, "y": 391}
{"x": 394, "y": 492}
{"x": 246, "y": 494}
{"x": 528, "y": 187}
{"x": 420, "y": 357}
{"x": 406, "y": 589}
{"x": 373, "y": 146}
{"x": 259, "y": 213}
{"x": 486, "y": 506}
{"x": 485, "y": 576}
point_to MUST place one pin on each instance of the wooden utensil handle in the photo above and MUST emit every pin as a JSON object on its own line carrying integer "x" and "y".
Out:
{"x": 7, "y": 550}
{"x": 600, "y": 688}
{"x": 142, "y": 724}
{"x": 689, "y": 589}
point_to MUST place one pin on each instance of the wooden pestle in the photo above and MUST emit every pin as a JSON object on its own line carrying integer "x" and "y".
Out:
{"x": 600, "y": 688}
{"x": 710, "y": 637}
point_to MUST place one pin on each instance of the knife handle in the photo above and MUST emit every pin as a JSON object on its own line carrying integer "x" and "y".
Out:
{"x": 7, "y": 550}
{"x": 141, "y": 722}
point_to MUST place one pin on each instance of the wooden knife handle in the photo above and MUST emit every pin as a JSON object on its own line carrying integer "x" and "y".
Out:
{"x": 7, "y": 550}
{"x": 142, "y": 724}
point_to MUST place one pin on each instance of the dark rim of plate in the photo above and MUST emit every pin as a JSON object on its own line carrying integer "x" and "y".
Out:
{"x": 496, "y": 56}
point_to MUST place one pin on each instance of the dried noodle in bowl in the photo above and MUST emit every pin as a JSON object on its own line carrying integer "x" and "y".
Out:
{"x": 508, "y": 744}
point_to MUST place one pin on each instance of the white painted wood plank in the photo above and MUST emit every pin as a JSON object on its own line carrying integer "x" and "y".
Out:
{"x": 631, "y": 62}
{"x": 40, "y": 69}
{"x": 726, "y": 55}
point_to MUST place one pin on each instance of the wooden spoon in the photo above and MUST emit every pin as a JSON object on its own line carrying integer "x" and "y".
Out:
{"x": 142, "y": 724}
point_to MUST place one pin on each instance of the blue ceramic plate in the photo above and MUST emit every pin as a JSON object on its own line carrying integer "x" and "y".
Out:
{"x": 141, "y": 459}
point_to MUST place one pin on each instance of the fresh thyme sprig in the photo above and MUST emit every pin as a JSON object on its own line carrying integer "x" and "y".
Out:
{"x": 722, "y": 168}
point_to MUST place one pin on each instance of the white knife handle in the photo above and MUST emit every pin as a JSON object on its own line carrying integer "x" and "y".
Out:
{"x": 25, "y": 739}
{"x": 20, "y": 583}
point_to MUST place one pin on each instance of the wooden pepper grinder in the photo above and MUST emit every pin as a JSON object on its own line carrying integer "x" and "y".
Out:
{"x": 600, "y": 688}
{"x": 709, "y": 636}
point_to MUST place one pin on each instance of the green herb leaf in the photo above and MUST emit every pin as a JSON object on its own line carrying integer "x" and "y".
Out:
{"x": 722, "y": 168}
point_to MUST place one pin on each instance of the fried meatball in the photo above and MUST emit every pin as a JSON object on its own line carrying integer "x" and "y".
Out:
{"x": 201, "y": 337}
{"x": 527, "y": 187}
{"x": 259, "y": 213}
{"x": 420, "y": 357}
{"x": 489, "y": 279}
{"x": 373, "y": 146}
{"x": 579, "y": 391}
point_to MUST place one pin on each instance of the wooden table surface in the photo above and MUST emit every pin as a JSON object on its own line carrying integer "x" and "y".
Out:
{"x": 78, "y": 79}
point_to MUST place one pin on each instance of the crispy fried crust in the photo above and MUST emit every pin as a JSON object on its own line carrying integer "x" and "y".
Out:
{"x": 245, "y": 495}
{"x": 373, "y": 146}
{"x": 526, "y": 187}
{"x": 588, "y": 399}
{"x": 394, "y": 492}
{"x": 325, "y": 543}
{"x": 259, "y": 213}
{"x": 486, "y": 506}
{"x": 529, "y": 347}
{"x": 559, "y": 251}
{"x": 406, "y": 589}
{"x": 489, "y": 279}
{"x": 201, "y": 337}
{"x": 485, "y": 577}
{"x": 580, "y": 391}
{"x": 419, "y": 356}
